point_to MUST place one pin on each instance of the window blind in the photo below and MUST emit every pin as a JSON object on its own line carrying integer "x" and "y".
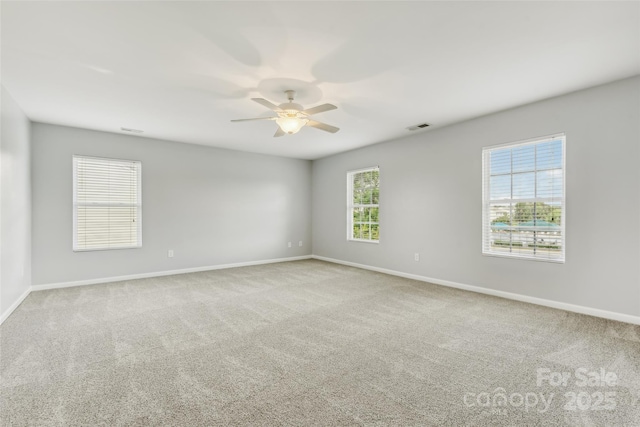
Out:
{"x": 107, "y": 208}
{"x": 524, "y": 199}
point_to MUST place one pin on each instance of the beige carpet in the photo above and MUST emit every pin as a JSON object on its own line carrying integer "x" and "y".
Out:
{"x": 307, "y": 343}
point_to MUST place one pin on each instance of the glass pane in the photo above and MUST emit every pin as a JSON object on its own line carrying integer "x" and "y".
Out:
{"x": 375, "y": 183}
{"x": 549, "y": 183}
{"x": 500, "y": 187}
{"x": 548, "y": 216}
{"x": 357, "y": 186}
{"x": 522, "y": 242}
{"x": 500, "y": 161}
{"x": 500, "y": 216}
{"x": 365, "y": 231}
{"x": 500, "y": 241}
{"x": 374, "y": 214}
{"x": 358, "y": 215}
{"x": 500, "y": 228}
{"x": 367, "y": 194}
{"x": 524, "y": 185}
{"x": 366, "y": 217}
{"x": 375, "y": 232}
{"x": 555, "y": 215}
{"x": 524, "y": 158}
{"x": 549, "y": 155}
{"x": 356, "y": 197}
{"x": 522, "y": 212}
{"x": 549, "y": 243}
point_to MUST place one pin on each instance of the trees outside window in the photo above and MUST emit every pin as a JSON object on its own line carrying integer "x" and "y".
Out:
{"x": 363, "y": 198}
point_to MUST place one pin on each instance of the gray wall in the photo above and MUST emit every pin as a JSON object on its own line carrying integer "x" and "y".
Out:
{"x": 431, "y": 201}
{"x": 211, "y": 206}
{"x": 15, "y": 204}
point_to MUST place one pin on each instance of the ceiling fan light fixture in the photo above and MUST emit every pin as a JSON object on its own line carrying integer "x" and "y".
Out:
{"x": 291, "y": 125}
{"x": 291, "y": 117}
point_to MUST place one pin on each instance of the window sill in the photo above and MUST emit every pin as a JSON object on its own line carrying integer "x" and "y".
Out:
{"x": 107, "y": 249}
{"x": 363, "y": 241}
{"x": 525, "y": 258}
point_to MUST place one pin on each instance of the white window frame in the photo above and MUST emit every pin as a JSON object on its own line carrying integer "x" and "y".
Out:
{"x": 76, "y": 203}
{"x": 486, "y": 202}
{"x": 351, "y": 205}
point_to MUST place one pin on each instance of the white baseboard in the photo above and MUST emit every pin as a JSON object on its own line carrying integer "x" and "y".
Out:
{"x": 620, "y": 317}
{"x": 162, "y": 273}
{"x": 15, "y": 305}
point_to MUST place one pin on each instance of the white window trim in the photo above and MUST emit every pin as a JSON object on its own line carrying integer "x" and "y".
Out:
{"x": 138, "y": 204}
{"x": 351, "y": 206}
{"x": 486, "y": 198}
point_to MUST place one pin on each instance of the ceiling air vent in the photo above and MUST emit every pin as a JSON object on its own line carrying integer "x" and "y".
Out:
{"x": 420, "y": 126}
{"x": 131, "y": 130}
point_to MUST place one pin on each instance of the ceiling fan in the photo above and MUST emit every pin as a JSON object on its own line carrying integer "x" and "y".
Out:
{"x": 291, "y": 117}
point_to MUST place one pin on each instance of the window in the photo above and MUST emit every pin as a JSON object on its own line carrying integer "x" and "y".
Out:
{"x": 106, "y": 204}
{"x": 523, "y": 199}
{"x": 363, "y": 195}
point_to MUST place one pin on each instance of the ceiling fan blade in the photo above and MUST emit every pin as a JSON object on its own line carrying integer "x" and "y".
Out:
{"x": 279, "y": 132}
{"x": 322, "y": 126}
{"x": 269, "y": 105}
{"x": 256, "y": 118}
{"x": 319, "y": 109}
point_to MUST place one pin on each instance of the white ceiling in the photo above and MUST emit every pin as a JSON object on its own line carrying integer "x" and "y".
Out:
{"x": 181, "y": 70}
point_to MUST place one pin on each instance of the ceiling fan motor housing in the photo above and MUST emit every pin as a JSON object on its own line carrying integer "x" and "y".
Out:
{"x": 290, "y": 106}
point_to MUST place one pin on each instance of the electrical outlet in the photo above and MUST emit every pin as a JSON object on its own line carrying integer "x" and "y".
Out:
{"x": 170, "y": 253}
{"x": 289, "y": 244}
{"x": 416, "y": 256}
{"x": 300, "y": 243}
